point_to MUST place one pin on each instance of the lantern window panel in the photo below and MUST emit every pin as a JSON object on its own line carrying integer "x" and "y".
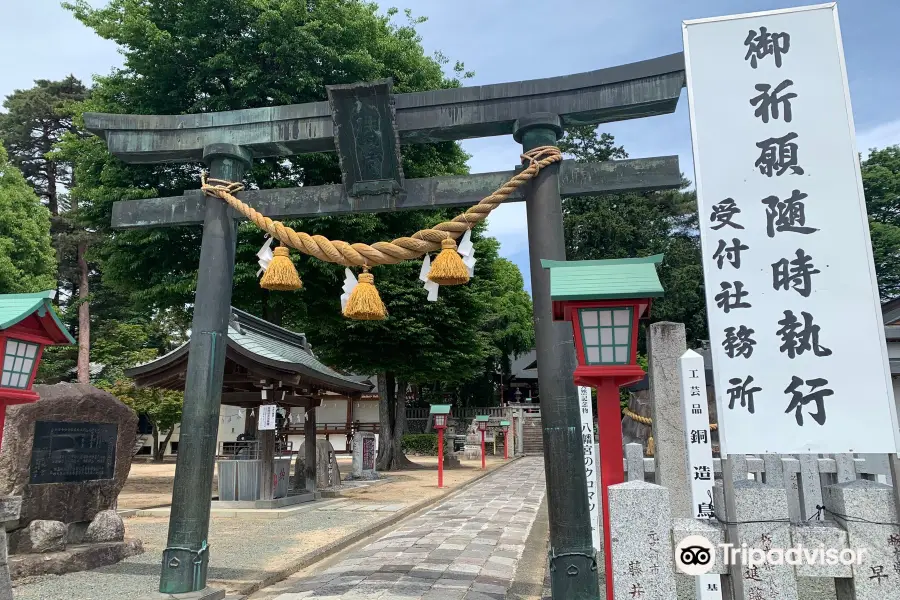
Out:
{"x": 18, "y": 362}
{"x": 606, "y": 334}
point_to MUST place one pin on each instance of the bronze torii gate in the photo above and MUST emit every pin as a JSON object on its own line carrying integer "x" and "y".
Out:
{"x": 534, "y": 112}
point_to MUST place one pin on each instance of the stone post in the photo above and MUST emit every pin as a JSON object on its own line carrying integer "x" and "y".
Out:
{"x": 520, "y": 431}
{"x": 186, "y": 556}
{"x": 572, "y": 575}
{"x": 309, "y": 447}
{"x": 641, "y": 541}
{"x": 267, "y": 468}
{"x": 863, "y": 508}
{"x": 9, "y": 514}
{"x": 756, "y": 513}
{"x": 666, "y": 344}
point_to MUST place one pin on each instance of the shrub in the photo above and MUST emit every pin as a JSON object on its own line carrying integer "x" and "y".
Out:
{"x": 420, "y": 443}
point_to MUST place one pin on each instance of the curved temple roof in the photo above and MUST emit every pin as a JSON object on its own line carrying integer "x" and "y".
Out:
{"x": 258, "y": 346}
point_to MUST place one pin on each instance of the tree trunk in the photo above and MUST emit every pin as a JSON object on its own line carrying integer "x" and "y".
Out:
{"x": 400, "y": 419}
{"x": 390, "y": 453}
{"x": 155, "y": 449}
{"x": 84, "y": 319}
{"x": 52, "y": 194}
{"x": 272, "y": 314}
{"x": 161, "y": 450}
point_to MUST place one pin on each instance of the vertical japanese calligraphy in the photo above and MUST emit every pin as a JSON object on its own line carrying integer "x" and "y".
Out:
{"x": 586, "y": 409}
{"x": 695, "y": 418}
{"x": 796, "y": 336}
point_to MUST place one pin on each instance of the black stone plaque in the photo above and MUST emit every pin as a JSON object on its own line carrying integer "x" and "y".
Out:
{"x": 365, "y": 135}
{"x": 69, "y": 452}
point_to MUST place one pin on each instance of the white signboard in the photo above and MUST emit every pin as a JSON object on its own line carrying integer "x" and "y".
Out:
{"x": 266, "y": 417}
{"x": 794, "y": 315}
{"x": 590, "y": 461}
{"x": 698, "y": 438}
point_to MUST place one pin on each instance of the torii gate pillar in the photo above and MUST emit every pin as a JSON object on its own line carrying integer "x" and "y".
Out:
{"x": 574, "y": 575}
{"x": 185, "y": 562}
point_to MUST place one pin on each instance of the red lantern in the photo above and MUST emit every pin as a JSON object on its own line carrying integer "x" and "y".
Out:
{"x": 505, "y": 426}
{"x": 27, "y": 324}
{"x": 441, "y": 413}
{"x": 604, "y": 300}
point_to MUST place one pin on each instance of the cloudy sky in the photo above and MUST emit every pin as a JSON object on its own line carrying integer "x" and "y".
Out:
{"x": 506, "y": 40}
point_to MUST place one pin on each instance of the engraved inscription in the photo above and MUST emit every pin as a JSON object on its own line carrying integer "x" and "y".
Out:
{"x": 68, "y": 452}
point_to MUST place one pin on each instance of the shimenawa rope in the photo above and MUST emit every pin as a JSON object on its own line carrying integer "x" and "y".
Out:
{"x": 383, "y": 253}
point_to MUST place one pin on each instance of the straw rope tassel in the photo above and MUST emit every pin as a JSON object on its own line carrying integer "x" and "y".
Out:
{"x": 448, "y": 267}
{"x": 281, "y": 275}
{"x": 364, "y": 303}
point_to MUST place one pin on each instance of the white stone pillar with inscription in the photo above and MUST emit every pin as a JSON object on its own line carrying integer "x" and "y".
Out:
{"x": 698, "y": 440}
{"x": 586, "y": 410}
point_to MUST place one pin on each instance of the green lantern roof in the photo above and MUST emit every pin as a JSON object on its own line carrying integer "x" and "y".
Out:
{"x": 604, "y": 279}
{"x": 440, "y": 409}
{"x": 15, "y": 308}
{"x": 482, "y": 418}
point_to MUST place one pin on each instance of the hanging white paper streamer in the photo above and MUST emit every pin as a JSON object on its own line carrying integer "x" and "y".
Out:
{"x": 430, "y": 286}
{"x": 349, "y": 283}
{"x": 465, "y": 246}
{"x": 426, "y": 266}
{"x": 432, "y": 289}
{"x": 467, "y": 250}
{"x": 470, "y": 261}
{"x": 265, "y": 255}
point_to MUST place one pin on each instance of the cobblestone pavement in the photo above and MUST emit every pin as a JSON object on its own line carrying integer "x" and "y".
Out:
{"x": 465, "y": 548}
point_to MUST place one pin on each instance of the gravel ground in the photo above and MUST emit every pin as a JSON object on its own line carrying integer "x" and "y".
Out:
{"x": 242, "y": 551}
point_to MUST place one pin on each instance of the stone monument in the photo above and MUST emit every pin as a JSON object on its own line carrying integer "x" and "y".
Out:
{"x": 67, "y": 456}
{"x": 364, "y": 456}
{"x": 328, "y": 475}
{"x": 472, "y": 450}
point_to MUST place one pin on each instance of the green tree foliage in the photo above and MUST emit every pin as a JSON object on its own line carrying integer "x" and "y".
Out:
{"x": 35, "y": 120}
{"x": 116, "y": 347}
{"x": 232, "y": 54}
{"x": 881, "y": 182}
{"x": 639, "y": 224}
{"x": 162, "y": 407}
{"x": 27, "y": 260}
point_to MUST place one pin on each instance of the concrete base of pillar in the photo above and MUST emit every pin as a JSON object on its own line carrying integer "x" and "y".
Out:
{"x": 267, "y": 504}
{"x": 204, "y": 594}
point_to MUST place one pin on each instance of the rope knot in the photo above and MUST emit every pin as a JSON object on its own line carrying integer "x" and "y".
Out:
{"x": 218, "y": 188}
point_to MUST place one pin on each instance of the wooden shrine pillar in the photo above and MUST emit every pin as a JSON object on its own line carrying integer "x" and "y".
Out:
{"x": 267, "y": 468}
{"x": 250, "y": 421}
{"x": 309, "y": 445}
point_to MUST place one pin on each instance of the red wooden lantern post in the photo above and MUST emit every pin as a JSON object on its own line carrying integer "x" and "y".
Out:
{"x": 27, "y": 324}
{"x": 441, "y": 414}
{"x": 482, "y": 421}
{"x": 604, "y": 300}
{"x": 505, "y": 426}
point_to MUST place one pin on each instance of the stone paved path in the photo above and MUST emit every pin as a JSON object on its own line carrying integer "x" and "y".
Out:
{"x": 465, "y": 548}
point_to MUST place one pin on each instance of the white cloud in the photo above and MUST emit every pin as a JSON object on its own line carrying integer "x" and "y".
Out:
{"x": 880, "y": 136}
